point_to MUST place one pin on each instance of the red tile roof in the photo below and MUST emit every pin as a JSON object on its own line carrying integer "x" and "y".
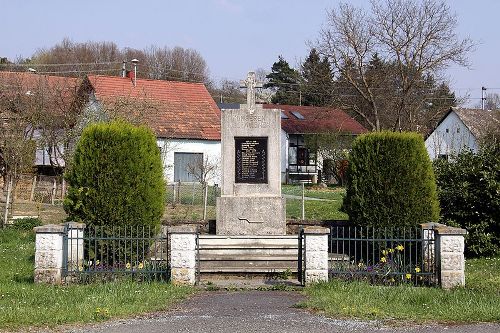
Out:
{"x": 26, "y": 83}
{"x": 181, "y": 109}
{"x": 316, "y": 120}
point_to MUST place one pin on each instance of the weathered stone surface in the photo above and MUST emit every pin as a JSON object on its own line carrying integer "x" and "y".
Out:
{"x": 251, "y": 215}
{"x": 183, "y": 276}
{"x": 451, "y": 279}
{"x": 316, "y": 260}
{"x": 50, "y": 229}
{"x": 316, "y": 230}
{"x": 317, "y": 243}
{"x": 183, "y": 229}
{"x": 50, "y": 276}
{"x": 262, "y": 123}
{"x": 452, "y": 261}
{"x": 251, "y": 202}
{"x": 452, "y": 244}
{"x": 313, "y": 276}
{"x": 183, "y": 242}
{"x": 48, "y": 259}
{"x": 45, "y": 242}
{"x": 183, "y": 259}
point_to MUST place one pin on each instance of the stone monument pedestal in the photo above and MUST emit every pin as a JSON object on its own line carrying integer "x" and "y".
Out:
{"x": 251, "y": 216}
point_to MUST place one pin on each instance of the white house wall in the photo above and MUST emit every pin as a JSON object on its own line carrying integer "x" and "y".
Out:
{"x": 210, "y": 149}
{"x": 458, "y": 138}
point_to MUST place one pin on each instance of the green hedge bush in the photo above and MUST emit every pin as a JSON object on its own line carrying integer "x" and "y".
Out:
{"x": 390, "y": 181}
{"x": 116, "y": 178}
{"x": 469, "y": 193}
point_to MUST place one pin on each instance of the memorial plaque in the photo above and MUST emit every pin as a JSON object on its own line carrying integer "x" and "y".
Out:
{"x": 251, "y": 160}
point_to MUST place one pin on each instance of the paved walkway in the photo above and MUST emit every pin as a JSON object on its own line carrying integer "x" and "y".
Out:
{"x": 299, "y": 197}
{"x": 257, "y": 311}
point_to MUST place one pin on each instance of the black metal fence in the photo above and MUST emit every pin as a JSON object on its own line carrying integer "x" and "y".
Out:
{"x": 382, "y": 255}
{"x": 105, "y": 253}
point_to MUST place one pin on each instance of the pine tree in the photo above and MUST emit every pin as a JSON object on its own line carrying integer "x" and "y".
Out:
{"x": 317, "y": 80}
{"x": 285, "y": 81}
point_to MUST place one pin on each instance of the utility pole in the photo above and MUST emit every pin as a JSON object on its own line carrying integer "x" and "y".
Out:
{"x": 483, "y": 97}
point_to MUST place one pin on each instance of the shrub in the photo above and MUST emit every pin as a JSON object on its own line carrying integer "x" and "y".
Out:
{"x": 469, "y": 193}
{"x": 27, "y": 223}
{"x": 390, "y": 181}
{"x": 116, "y": 178}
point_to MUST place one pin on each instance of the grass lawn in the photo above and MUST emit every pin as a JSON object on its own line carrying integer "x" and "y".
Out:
{"x": 329, "y": 209}
{"x": 478, "y": 301}
{"x": 23, "y": 303}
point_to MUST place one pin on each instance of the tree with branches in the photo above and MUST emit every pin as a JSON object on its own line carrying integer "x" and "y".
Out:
{"x": 410, "y": 40}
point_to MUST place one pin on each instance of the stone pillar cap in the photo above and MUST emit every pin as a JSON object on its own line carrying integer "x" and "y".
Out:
{"x": 446, "y": 230}
{"x": 75, "y": 225}
{"x": 184, "y": 229}
{"x": 50, "y": 229}
{"x": 431, "y": 225}
{"x": 316, "y": 230}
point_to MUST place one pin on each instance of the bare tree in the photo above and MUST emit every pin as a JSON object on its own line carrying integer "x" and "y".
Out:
{"x": 415, "y": 38}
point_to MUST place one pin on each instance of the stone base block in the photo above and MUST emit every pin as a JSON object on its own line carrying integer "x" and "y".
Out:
{"x": 452, "y": 279}
{"x": 314, "y": 276}
{"x": 48, "y": 275}
{"x": 251, "y": 216}
{"x": 183, "y": 276}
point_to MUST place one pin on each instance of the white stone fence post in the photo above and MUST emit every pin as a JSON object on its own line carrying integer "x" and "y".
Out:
{"x": 49, "y": 253}
{"x": 450, "y": 258}
{"x": 183, "y": 254}
{"x": 316, "y": 254}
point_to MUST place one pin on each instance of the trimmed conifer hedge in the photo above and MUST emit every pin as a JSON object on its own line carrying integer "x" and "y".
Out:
{"x": 390, "y": 181}
{"x": 116, "y": 178}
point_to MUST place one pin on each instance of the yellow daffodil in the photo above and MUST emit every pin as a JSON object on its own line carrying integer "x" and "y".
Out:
{"x": 127, "y": 265}
{"x": 80, "y": 268}
{"x": 400, "y": 247}
{"x": 383, "y": 259}
{"x": 97, "y": 262}
{"x": 417, "y": 269}
{"x": 140, "y": 266}
{"x": 408, "y": 276}
{"x": 384, "y": 252}
{"x": 391, "y": 250}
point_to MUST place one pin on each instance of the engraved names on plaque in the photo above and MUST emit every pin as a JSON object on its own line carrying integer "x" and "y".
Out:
{"x": 251, "y": 160}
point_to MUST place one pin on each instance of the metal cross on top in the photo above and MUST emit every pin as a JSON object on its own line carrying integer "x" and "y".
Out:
{"x": 250, "y": 83}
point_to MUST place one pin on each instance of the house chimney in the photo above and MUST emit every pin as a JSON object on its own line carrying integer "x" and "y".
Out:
{"x": 124, "y": 69}
{"x": 135, "y": 62}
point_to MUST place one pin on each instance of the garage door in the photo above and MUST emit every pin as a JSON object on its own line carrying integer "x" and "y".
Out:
{"x": 185, "y": 164}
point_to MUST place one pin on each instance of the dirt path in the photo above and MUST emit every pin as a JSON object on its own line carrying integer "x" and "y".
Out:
{"x": 257, "y": 311}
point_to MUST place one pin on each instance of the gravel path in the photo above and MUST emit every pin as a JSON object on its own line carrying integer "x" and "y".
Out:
{"x": 257, "y": 311}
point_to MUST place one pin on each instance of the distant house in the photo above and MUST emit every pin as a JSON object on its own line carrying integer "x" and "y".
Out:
{"x": 299, "y": 162}
{"x": 51, "y": 98}
{"x": 183, "y": 116}
{"x": 461, "y": 129}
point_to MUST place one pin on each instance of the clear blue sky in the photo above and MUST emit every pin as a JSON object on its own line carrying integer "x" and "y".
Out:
{"x": 233, "y": 36}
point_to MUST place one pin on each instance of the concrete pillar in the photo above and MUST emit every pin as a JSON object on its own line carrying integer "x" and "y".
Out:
{"x": 75, "y": 245}
{"x": 183, "y": 254}
{"x": 450, "y": 256}
{"x": 49, "y": 253}
{"x": 316, "y": 254}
